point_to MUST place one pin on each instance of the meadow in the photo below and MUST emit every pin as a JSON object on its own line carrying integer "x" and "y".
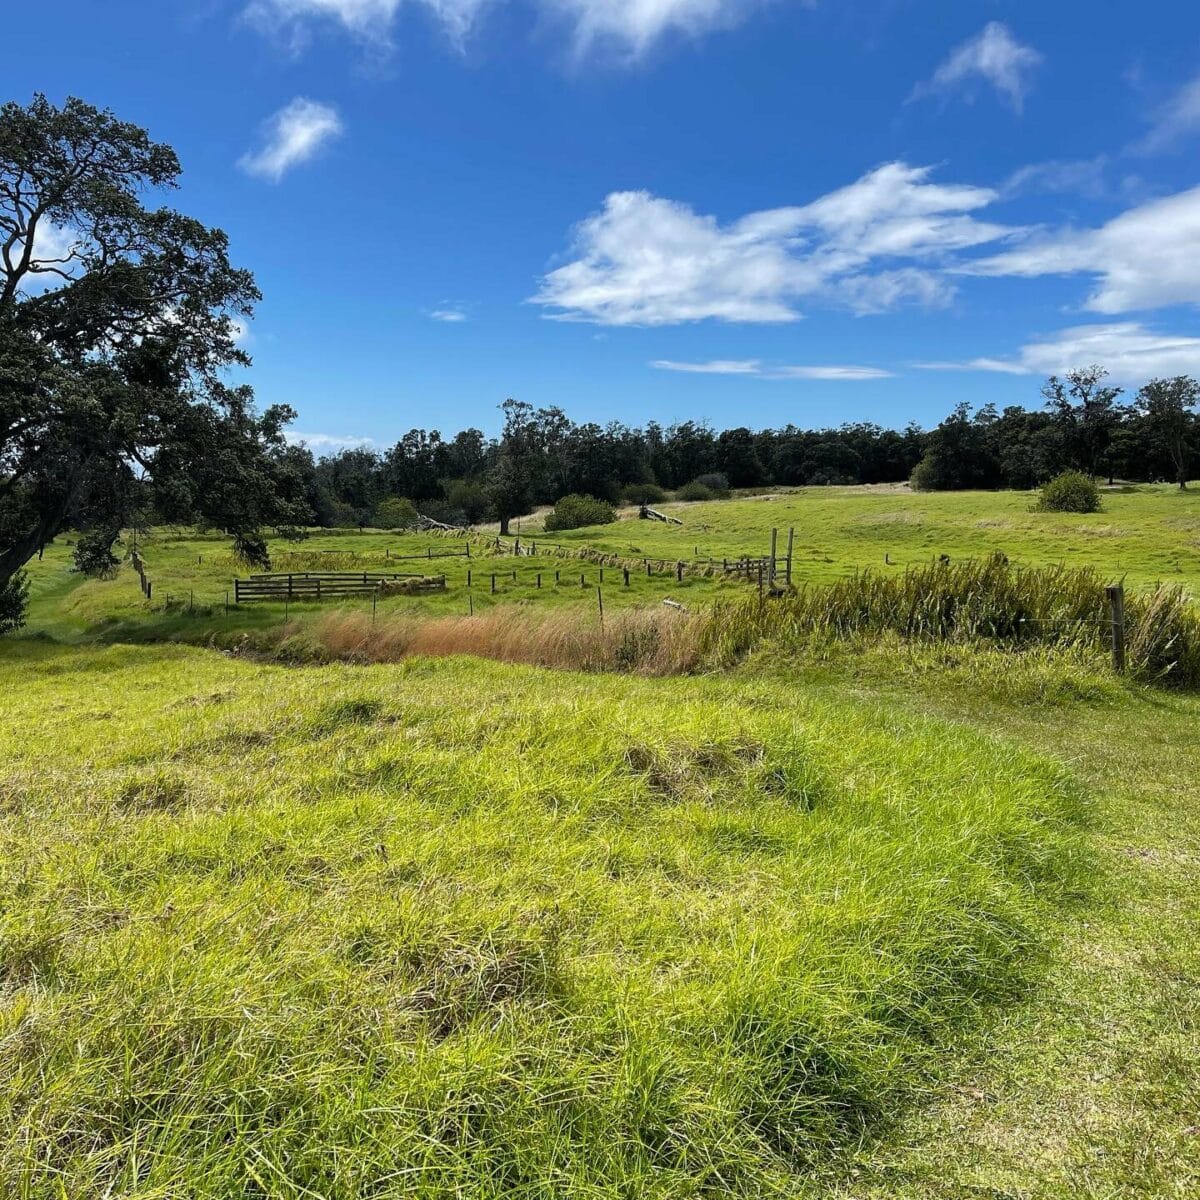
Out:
{"x": 878, "y": 913}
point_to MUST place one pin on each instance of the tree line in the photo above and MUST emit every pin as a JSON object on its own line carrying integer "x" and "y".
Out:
{"x": 541, "y": 455}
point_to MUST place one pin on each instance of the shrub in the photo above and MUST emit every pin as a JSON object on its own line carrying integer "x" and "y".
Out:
{"x": 643, "y": 493}
{"x": 1072, "y": 491}
{"x": 574, "y": 512}
{"x": 716, "y": 483}
{"x": 14, "y": 597}
{"x": 93, "y": 553}
{"x": 396, "y": 513}
{"x": 469, "y": 497}
{"x": 694, "y": 491}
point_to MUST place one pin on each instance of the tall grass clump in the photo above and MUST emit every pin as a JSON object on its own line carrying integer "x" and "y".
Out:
{"x": 464, "y": 929}
{"x": 987, "y": 601}
{"x": 637, "y": 640}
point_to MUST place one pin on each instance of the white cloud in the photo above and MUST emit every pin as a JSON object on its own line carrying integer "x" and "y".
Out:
{"x": 1178, "y": 119}
{"x": 293, "y": 135}
{"x": 329, "y": 442}
{"x": 635, "y": 25}
{"x": 1080, "y": 176}
{"x": 1145, "y": 258}
{"x": 645, "y": 260}
{"x": 1131, "y": 353}
{"x": 754, "y": 367}
{"x": 631, "y": 26}
{"x": 992, "y": 55}
{"x": 449, "y": 315}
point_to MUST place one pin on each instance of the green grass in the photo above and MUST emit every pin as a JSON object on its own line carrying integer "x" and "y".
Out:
{"x": 462, "y": 929}
{"x": 1146, "y": 533}
{"x": 192, "y": 575}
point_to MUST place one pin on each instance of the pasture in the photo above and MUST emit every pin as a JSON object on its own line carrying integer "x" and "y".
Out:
{"x": 853, "y": 916}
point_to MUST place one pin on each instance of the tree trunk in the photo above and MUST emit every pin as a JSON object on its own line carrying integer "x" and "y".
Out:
{"x": 504, "y": 526}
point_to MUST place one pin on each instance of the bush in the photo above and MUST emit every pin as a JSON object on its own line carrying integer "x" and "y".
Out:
{"x": 1071, "y": 492}
{"x": 396, "y": 513}
{"x": 93, "y": 553}
{"x": 643, "y": 493}
{"x": 14, "y": 598}
{"x": 469, "y": 497}
{"x": 716, "y": 483}
{"x": 574, "y": 512}
{"x": 694, "y": 491}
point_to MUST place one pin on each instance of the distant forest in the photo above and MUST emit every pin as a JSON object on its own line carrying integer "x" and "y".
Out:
{"x": 542, "y": 455}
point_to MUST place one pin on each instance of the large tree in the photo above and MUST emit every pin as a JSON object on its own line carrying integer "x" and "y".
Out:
{"x": 1168, "y": 406}
{"x": 1086, "y": 411}
{"x": 118, "y": 322}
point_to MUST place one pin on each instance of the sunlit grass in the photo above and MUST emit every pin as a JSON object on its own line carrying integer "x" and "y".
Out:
{"x": 468, "y": 929}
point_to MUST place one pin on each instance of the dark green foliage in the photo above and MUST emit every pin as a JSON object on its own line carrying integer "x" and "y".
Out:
{"x": 643, "y": 493}
{"x": 469, "y": 497}
{"x": 575, "y": 512}
{"x": 694, "y": 491}
{"x": 250, "y": 548}
{"x": 1072, "y": 491}
{"x": 14, "y": 599}
{"x": 716, "y": 482}
{"x": 94, "y": 555}
{"x": 396, "y": 512}
{"x": 111, "y": 390}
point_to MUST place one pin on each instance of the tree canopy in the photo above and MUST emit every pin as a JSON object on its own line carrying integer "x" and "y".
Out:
{"x": 118, "y": 324}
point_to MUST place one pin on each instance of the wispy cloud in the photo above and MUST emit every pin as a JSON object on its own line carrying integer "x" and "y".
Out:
{"x": 1130, "y": 351}
{"x": 449, "y": 314}
{"x": 1175, "y": 121}
{"x": 292, "y": 136}
{"x": 870, "y": 247}
{"x": 1144, "y": 258}
{"x": 630, "y": 27}
{"x": 331, "y": 442}
{"x": 754, "y": 367}
{"x": 993, "y": 56}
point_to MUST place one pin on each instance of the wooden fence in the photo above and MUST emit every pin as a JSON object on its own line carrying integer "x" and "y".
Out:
{"x": 327, "y": 585}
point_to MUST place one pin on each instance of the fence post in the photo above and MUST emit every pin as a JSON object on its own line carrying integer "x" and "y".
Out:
{"x": 539, "y": 581}
{"x": 556, "y": 576}
{"x": 626, "y": 576}
{"x": 774, "y": 550}
{"x": 582, "y": 581}
{"x": 468, "y": 577}
{"x": 227, "y": 604}
{"x": 1116, "y": 604}
{"x": 791, "y": 541}
{"x": 514, "y": 577}
{"x": 493, "y": 581}
{"x": 470, "y": 604}
{"x": 679, "y": 572}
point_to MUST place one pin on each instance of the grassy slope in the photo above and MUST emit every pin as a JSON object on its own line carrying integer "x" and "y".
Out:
{"x": 191, "y": 569}
{"x": 311, "y": 932}
{"x": 1148, "y": 533}
{"x": 1088, "y": 1089}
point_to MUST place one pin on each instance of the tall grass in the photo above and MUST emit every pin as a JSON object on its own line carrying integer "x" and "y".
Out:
{"x": 642, "y": 641}
{"x": 461, "y": 929}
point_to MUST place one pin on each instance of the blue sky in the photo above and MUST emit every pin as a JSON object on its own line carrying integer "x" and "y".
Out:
{"x": 753, "y": 211}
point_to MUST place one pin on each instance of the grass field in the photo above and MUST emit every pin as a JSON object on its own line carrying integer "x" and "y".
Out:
{"x": 857, "y": 918}
{"x": 465, "y": 929}
{"x": 1145, "y": 535}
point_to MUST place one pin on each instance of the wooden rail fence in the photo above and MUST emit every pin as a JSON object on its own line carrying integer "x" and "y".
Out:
{"x": 328, "y": 585}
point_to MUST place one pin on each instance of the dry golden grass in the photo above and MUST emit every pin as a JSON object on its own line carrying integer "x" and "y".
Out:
{"x": 644, "y": 641}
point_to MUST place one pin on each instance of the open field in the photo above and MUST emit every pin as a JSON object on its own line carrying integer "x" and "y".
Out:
{"x": 1146, "y": 533}
{"x": 857, "y": 917}
{"x": 556, "y": 935}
